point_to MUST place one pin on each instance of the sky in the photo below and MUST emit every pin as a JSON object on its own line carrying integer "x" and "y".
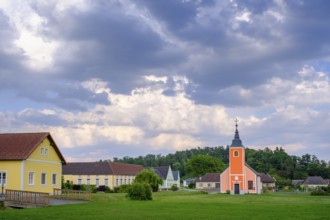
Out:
{"x": 115, "y": 78}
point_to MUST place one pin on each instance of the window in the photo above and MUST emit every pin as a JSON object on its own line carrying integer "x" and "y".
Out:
{"x": 129, "y": 181}
{"x": 235, "y": 153}
{"x": 79, "y": 181}
{"x": 46, "y": 152}
{"x": 42, "y": 151}
{"x": 2, "y": 178}
{"x": 31, "y": 178}
{"x": 116, "y": 182}
{"x": 250, "y": 184}
{"x": 97, "y": 182}
{"x": 88, "y": 181}
{"x": 106, "y": 182}
{"x": 121, "y": 181}
{"x": 125, "y": 181}
{"x": 54, "y": 179}
{"x": 43, "y": 179}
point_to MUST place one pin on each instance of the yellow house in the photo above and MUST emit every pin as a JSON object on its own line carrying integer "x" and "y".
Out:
{"x": 30, "y": 162}
{"x": 109, "y": 174}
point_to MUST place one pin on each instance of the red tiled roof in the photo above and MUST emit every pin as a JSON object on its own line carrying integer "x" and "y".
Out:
{"x": 101, "y": 168}
{"x": 125, "y": 169}
{"x": 19, "y": 146}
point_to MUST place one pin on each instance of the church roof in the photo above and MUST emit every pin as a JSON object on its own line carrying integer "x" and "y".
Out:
{"x": 237, "y": 142}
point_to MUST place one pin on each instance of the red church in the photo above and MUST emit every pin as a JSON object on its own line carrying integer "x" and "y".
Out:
{"x": 239, "y": 177}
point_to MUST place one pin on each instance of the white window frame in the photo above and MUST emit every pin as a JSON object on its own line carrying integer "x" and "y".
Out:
{"x": 31, "y": 178}
{"x": 41, "y": 179}
{"x": 88, "y": 181}
{"x": 79, "y": 181}
{"x": 46, "y": 152}
{"x": 42, "y": 151}
{"x": 54, "y": 179}
{"x": 2, "y": 175}
{"x": 106, "y": 181}
{"x": 97, "y": 181}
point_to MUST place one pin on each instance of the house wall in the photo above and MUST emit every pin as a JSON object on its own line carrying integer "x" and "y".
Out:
{"x": 13, "y": 174}
{"x": 169, "y": 181}
{"x": 251, "y": 176}
{"x": 113, "y": 180}
{"x": 44, "y": 159}
{"x": 205, "y": 185}
{"x": 224, "y": 181}
{"x": 17, "y": 172}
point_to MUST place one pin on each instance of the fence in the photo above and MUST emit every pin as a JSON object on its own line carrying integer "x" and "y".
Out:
{"x": 19, "y": 198}
{"x": 72, "y": 194}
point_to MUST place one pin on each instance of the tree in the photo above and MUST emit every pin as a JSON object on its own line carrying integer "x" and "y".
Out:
{"x": 150, "y": 177}
{"x": 198, "y": 165}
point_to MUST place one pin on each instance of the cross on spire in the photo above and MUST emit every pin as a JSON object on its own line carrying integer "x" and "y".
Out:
{"x": 236, "y": 121}
{"x": 236, "y": 141}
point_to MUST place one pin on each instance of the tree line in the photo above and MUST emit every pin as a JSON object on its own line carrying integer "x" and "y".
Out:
{"x": 276, "y": 162}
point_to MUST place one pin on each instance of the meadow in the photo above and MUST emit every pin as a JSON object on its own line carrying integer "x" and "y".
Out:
{"x": 185, "y": 205}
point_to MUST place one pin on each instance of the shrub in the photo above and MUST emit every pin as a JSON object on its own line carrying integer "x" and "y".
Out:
{"x": 192, "y": 185}
{"x": 103, "y": 188}
{"x": 122, "y": 189}
{"x": 228, "y": 191}
{"x": 322, "y": 191}
{"x": 140, "y": 191}
{"x": 174, "y": 188}
{"x": 76, "y": 187}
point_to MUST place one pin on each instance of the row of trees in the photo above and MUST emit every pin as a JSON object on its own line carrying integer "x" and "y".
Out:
{"x": 276, "y": 162}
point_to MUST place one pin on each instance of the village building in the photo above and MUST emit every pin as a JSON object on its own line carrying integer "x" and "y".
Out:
{"x": 313, "y": 182}
{"x": 239, "y": 177}
{"x": 30, "y": 162}
{"x": 168, "y": 176}
{"x": 111, "y": 174}
{"x": 268, "y": 182}
{"x": 209, "y": 182}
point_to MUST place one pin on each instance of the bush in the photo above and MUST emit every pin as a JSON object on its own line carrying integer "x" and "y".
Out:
{"x": 76, "y": 187}
{"x": 192, "y": 185}
{"x": 174, "y": 188}
{"x": 122, "y": 189}
{"x": 103, "y": 188}
{"x": 140, "y": 191}
{"x": 322, "y": 191}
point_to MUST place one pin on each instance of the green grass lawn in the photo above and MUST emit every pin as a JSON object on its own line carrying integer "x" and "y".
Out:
{"x": 185, "y": 205}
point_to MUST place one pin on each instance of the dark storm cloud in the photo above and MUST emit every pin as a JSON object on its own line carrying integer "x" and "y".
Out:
{"x": 108, "y": 42}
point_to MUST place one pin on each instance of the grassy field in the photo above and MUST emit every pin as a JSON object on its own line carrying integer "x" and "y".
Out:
{"x": 185, "y": 205}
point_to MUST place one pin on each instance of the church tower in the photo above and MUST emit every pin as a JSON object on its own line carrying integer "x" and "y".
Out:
{"x": 237, "y": 165}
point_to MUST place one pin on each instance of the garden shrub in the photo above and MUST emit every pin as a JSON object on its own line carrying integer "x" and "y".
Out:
{"x": 122, "y": 189}
{"x": 321, "y": 191}
{"x": 140, "y": 191}
{"x": 76, "y": 187}
{"x": 192, "y": 185}
{"x": 103, "y": 188}
{"x": 174, "y": 188}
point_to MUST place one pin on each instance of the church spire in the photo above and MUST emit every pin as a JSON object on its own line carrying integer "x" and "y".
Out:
{"x": 236, "y": 141}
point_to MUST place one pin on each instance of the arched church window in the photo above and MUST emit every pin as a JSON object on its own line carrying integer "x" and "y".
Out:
{"x": 235, "y": 153}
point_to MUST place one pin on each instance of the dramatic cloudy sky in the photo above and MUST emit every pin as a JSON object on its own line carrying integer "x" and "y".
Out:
{"x": 114, "y": 78}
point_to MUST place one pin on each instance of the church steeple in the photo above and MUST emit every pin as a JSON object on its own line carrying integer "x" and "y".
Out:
{"x": 236, "y": 141}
